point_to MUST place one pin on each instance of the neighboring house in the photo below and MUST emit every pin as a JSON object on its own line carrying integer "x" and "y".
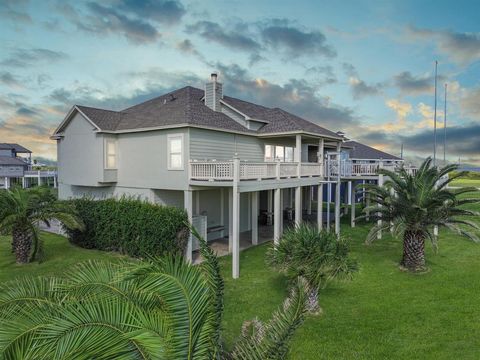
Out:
{"x": 16, "y": 166}
{"x": 228, "y": 162}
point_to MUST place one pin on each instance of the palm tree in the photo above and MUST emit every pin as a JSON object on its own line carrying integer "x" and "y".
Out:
{"x": 317, "y": 256}
{"x": 157, "y": 309}
{"x": 21, "y": 210}
{"x": 413, "y": 204}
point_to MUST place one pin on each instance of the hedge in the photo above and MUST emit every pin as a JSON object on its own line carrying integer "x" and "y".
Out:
{"x": 130, "y": 226}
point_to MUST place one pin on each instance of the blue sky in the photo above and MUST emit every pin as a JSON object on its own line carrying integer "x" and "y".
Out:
{"x": 363, "y": 67}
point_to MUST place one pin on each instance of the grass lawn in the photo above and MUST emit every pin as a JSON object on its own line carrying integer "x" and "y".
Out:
{"x": 382, "y": 314}
{"x": 60, "y": 255}
{"x": 466, "y": 182}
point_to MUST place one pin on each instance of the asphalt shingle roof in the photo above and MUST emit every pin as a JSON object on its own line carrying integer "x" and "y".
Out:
{"x": 18, "y": 148}
{"x": 7, "y": 160}
{"x": 362, "y": 151}
{"x": 186, "y": 107}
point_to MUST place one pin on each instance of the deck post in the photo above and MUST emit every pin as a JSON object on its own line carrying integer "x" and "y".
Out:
{"x": 352, "y": 202}
{"x": 255, "y": 218}
{"x": 39, "y": 178}
{"x": 346, "y": 197}
{"x": 329, "y": 199}
{"x": 55, "y": 181}
{"x": 337, "y": 207}
{"x": 380, "y": 183}
{"x": 187, "y": 203}
{"x": 24, "y": 183}
{"x": 392, "y": 192}
{"x": 6, "y": 184}
{"x": 320, "y": 207}
{"x": 309, "y": 200}
{"x": 298, "y": 205}
{"x": 276, "y": 216}
{"x": 230, "y": 219}
{"x": 236, "y": 220}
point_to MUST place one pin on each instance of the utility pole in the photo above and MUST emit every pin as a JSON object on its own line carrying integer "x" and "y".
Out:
{"x": 445, "y": 128}
{"x": 435, "y": 120}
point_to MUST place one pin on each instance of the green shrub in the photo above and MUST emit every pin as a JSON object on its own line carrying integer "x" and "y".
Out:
{"x": 130, "y": 226}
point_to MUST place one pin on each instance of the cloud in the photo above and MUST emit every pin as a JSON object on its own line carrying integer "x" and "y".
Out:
{"x": 167, "y": 12}
{"x": 9, "y": 79}
{"x": 322, "y": 74}
{"x": 15, "y": 11}
{"x": 26, "y": 125}
{"x": 470, "y": 102}
{"x": 461, "y": 141}
{"x": 298, "y": 96}
{"x": 232, "y": 39}
{"x": 416, "y": 85}
{"x": 103, "y": 19}
{"x": 361, "y": 89}
{"x": 282, "y": 35}
{"x": 26, "y": 57}
{"x": 187, "y": 47}
{"x": 460, "y": 47}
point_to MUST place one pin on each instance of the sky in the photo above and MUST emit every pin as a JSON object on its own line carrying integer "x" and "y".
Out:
{"x": 362, "y": 67}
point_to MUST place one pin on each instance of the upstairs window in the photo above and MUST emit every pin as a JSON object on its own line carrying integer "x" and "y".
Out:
{"x": 110, "y": 154}
{"x": 279, "y": 153}
{"x": 175, "y": 152}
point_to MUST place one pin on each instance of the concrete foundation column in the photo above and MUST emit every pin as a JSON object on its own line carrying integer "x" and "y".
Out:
{"x": 188, "y": 204}
{"x": 320, "y": 207}
{"x": 298, "y": 205}
{"x": 309, "y": 200}
{"x": 255, "y": 217}
{"x": 337, "y": 208}
{"x": 230, "y": 220}
{"x": 276, "y": 216}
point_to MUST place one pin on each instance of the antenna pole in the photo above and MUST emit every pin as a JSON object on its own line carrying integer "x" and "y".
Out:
{"x": 435, "y": 119}
{"x": 445, "y": 128}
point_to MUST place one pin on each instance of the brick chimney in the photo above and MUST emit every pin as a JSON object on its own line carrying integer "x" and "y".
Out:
{"x": 213, "y": 93}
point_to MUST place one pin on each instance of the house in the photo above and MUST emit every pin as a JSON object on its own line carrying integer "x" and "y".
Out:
{"x": 16, "y": 167}
{"x": 230, "y": 163}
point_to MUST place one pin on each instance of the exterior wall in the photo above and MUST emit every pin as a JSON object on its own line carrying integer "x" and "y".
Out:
{"x": 234, "y": 115}
{"x": 11, "y": 170}
{"x": 143, "y": 162}
{"x": 80, "y": 154}
{"x": 169, "y": 197}
{"x": 207, "y": 145}
{"x": 66, "y": 191}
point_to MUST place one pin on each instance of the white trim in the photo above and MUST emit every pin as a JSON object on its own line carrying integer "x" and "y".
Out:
{"x": 68, "y": 118}
{"x": 169, "y": 165}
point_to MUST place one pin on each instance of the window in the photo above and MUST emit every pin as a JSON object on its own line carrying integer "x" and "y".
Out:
{"x": 110, "y": 154}
{"x": 279, "y": 153}
{"x": 175, "y": 152}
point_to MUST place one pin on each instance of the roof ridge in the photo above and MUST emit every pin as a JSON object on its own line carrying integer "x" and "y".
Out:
{"x": 96, "y": 108}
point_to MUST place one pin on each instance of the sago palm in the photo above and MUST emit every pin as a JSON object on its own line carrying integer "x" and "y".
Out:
{"x": 158, "y": 309}
{"x": 21, "y": 211}
{"x": 413, "y": 204}
{"x": 317, "y": 256}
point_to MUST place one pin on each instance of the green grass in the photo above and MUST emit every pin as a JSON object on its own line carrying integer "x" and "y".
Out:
{"x": 466, "y": 182}
{"x": 60, "y": 255}
{"x": 382, "y": 314}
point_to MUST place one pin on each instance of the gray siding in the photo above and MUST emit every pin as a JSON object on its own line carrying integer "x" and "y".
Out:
{"x": 11, "y": 170}
{"x": 169, "y": 197}
{"x": 208, "y": 145}
{"x": 143, "y": 161}
{"x": 234, "y": 115}
{"x": 80, "y": 154}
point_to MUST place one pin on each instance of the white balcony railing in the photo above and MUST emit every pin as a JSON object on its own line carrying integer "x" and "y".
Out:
{"x": 224, "y": 170}
{"x": 40, "y": 173}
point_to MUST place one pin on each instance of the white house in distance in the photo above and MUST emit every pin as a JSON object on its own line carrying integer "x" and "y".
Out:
{"x": 16, "y": 168}
{"x": 230, "y": 163}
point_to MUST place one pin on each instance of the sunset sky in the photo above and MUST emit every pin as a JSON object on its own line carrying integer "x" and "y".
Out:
{"x": 363, "y": 67}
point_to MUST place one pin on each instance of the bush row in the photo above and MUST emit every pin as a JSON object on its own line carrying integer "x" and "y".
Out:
{"x": 130, "y": 226}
